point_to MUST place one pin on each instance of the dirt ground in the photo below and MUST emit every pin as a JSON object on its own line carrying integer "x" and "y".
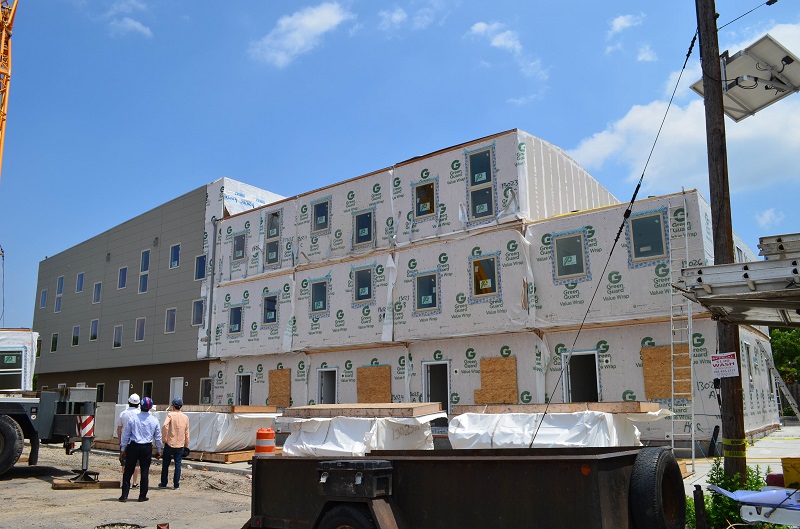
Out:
{"x": 206, "y": 499}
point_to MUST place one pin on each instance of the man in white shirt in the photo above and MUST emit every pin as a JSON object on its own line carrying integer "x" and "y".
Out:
{"x": 136, "y": 444}
{"x": 127, "y": 413}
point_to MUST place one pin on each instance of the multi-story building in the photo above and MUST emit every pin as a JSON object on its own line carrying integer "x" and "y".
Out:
{"x": 126, "y": 310}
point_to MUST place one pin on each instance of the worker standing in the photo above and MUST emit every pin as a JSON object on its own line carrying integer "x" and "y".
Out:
{"x": 175, "y": 433}
{"x": 127, "y": 413}
{"x": 138, "y": 436}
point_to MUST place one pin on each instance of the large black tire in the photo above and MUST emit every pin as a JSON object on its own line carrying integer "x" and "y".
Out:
{"x": 347, "y": 517}
{"x": 657, "y": 498}
{"x": 11, "y": 443}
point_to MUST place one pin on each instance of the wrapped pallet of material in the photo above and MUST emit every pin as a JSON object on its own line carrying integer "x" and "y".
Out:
{"x": 346, "y": 219}
{"x": 18, "y": 349}
{"x": 494, "y": 180}
{"x": 257, "y": 241}
{"x": 570, "y": 253}
{"x": 463, "y": 286}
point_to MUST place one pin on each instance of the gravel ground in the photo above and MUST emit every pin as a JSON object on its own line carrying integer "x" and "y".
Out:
{"x": 206, "y": 499}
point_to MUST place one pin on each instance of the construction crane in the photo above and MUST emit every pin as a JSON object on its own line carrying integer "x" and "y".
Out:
{"x": 7, "y": 11}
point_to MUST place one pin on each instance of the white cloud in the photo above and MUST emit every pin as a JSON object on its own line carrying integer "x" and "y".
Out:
{"x": 769, "y": 218}
{"x": 298, "y": 33}
{"x": 125, "y": 7}
{"x": 424, "y": 18}
{"x": 624, "y": 22}
{"x": 611, "y": 48}
{"x": 646, "y": 54}
{"x": 391, "y": 19}
{"x": 126, "y": 25}
{"x": 508, "y": 40}
{"x": 524, "y": 100}
{"x": 482, "y": 28}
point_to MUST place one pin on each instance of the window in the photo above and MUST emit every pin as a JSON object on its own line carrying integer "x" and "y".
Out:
{"x": 569, "y": 256}
{"x": 144, "y": 271}
{"x": 117, "y": 336}
{"x": 274, "y": 225}
{"x": 648, "y": 237}
{"x": 60, "y": 286}
{"x": 273, "y": 255}
{"x": 101, "y": 391}
{"x": 54, "y": 342}
{"x": 362, "y": 285}
{"x": 481, "y": 185}
{"x": 424, "y": 200}
{"x": 79, "y": 283}
{"x": 235, "y": 320}
{"x": 198, "y": 312}
{"x": 169, "y": 320}
{"x": 138, "y": 335}
{"x": 147, "y": 389}
{"x": 174, "y": 256}
{"x": 94, "y": 329}
{"x": 200, "y": 267}
{"x": 122, "y": 278}
{"x": 319, "y": 297}
{"x": 43, "y": 299}
{"x": 273, "y": 239}
{"x": 98, "y": 292}
{"x": 363, "y": 229}
{"x": 746, "y": 357}
{"x": 426, "y": 298}
{"x": 270, "y": 315}
{"x": 76, "y": 335}
{"x": 57, "y": 307}
{"x": 484, "y": 277}
{"x": 205, "y": 390}
{"x": 239, "y": 245}
{"x": 739, "y": 255}
{"x": 321, "y": 220}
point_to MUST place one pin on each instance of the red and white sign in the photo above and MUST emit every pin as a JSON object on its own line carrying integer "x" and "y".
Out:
{"x": 724, "y": 365}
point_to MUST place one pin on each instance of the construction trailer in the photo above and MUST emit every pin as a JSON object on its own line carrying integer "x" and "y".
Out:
{"x": 478, "y": 274}
{"x": 17, "y": 359}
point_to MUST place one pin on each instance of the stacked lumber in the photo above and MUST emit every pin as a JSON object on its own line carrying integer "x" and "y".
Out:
{"x": 371, "y": 410}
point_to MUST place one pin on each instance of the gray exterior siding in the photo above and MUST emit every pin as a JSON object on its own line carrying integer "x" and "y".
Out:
{"x": 180, "y": 221}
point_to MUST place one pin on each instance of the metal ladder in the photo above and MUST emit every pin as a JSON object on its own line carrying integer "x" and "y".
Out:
{"x": 682, "y": 361}
{"x": 781, "y": 384}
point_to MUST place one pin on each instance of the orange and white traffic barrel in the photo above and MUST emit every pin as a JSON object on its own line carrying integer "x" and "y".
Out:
{"x": 265, "y": 442}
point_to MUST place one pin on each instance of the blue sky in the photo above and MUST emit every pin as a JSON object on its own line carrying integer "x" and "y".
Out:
{"x": 118, "y": 106}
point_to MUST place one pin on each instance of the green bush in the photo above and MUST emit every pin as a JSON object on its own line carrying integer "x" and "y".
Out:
{"x": 722, "y": 512}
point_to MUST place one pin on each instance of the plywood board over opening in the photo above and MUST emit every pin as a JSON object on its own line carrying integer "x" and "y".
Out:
{"x": 657, "y": 369}
{"x": 498, "y": 381}
{"x": 378, "y": 409}
{"x": 374, "y": 384}
{"x": 280, "y": 387}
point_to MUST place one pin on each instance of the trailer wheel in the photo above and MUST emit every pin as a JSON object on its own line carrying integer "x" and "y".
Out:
{"x": 657, "y": 498}
{"x": 347, "y": 517}
{"x": 11, "y": 443}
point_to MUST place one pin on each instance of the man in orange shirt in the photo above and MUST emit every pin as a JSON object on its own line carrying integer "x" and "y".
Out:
{"x": 175, "y": 433}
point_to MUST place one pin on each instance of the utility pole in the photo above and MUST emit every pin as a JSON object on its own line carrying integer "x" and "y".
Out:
{"x": 733, "y": 436}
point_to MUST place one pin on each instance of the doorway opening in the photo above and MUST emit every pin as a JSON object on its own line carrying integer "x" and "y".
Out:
{"x": 327, "y": 390}
{"x": 581, "y": 376}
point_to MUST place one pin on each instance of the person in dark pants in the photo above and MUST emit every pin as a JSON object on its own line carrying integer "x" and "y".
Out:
{"x": 136, "y": 445}
{"x": 175, "y": 433}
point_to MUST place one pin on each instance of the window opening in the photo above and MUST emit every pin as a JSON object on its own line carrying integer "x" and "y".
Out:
{"x": 235, "y": 320}
{"x": 484, "y": 277}
{"x": 122, "y": 278}
{"x": 239, "y": 246}
{"x": 569, "y": 256}
{"x": 79, "y": 283}
{"x": 139, "y": 332}
{"x": 175, "y": 256}
{"x": 205, "y": 391}
{"x": 200, "y": 267}
{"x": 94, "y": 328}
{"x": 362, "y": 288}
{"x": 427, "y": 298}
{"x": 170, "y": 319}
{"x": 198, "y": 312}
{"x": 319, "y": 297}
{"x": 321, "y": 220}
{"x": 648, "y": 237}
{"x": 76, "y": 335}
{"x": 270, "y": 310}
{"x": 424, "y": 200}
{"x": 117, "y": 337}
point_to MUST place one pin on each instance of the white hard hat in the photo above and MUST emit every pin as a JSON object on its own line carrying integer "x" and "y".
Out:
{"x": 133, "y": 399}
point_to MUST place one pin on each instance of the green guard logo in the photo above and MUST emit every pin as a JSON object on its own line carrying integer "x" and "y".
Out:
{"x": 525, "y": 397}
{"x": 679, "y": 216}
{"x": 230, "y": 230}
{"x": 286, "y": 287}
{"x": 507, "y": 191}
{"x": 476, "y": 251}
{"x": 470, "y": 354}
{"x": 648, "y": 342}
{"x": 442, "y": 208}
{"x": 379, "y": 270}
{"x": 338, "y": 234}
{"x": 373, "y": 362}
{"x": 230, "y": 402}
{"x": 205, "y": 235}
{"x": 304, "y": 283}
{"x": 323, "y": 365}
{"x": 662, "y": 270}
{"x": 698, "y": 340}
{"x": 437, "y": 355}
{"x": 424, "y": 174}
{"x": 339, "y": 314}
{"x": 247, "y": 225}
{"x": 227, "y": 297}
{"x": 314, "y": 239}
{"x": 246, "y": 294}
{"x": 456, "y": 165}
{"x": 389, "y": 222}
{"x": 589, "y": 232}
{"x": 614, "y": 277}
{"x": 311, "y": 402}
{"x": 396, "y": 181}
{"x": 348, "y": 365}
{"x": 505, "y": 351}
{"x": 443, "y": 258}
{"x": 376, "y": 188}
{"x": 461, "y": 298}
{"x": 398, "y": 306}
{"x": 560, "y": 348}
{"x": 254, "y": 326}
{"x": 409, "y": 215}
{"x": 628, "y": 395}
{"x": 546, "y": 239}
{"x": 412, "y": 264}
{"x": 265, "y": 290}
{"x": 571, "y": 286}
{"x": 365, "y": 311}
{"x": 301, "y": 366}
{"x": 240, "y": 369}
{"x": 512, "y": 246}
{"x": 454, "y": 398}
{"x": 351, "y": 195}
{"x": 219, "y": 374}
{"x": 315, "y": 319}
{"x": 521, "y": 147}
{"x": 259, "y": 368}
{"x": 288, "y": 246}
{"x": 401, "y": 361}
{"x": 280, "y": 365}
{"x": 304, "y": 209}
{"x": 602, "y": 346}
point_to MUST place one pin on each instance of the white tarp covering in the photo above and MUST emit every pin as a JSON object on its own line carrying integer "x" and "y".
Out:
{"x": 356, "y": 436}
{"x": 219, "y": 432}
{"x": 516, "y": 430}
{"x": 17, "y": 358}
